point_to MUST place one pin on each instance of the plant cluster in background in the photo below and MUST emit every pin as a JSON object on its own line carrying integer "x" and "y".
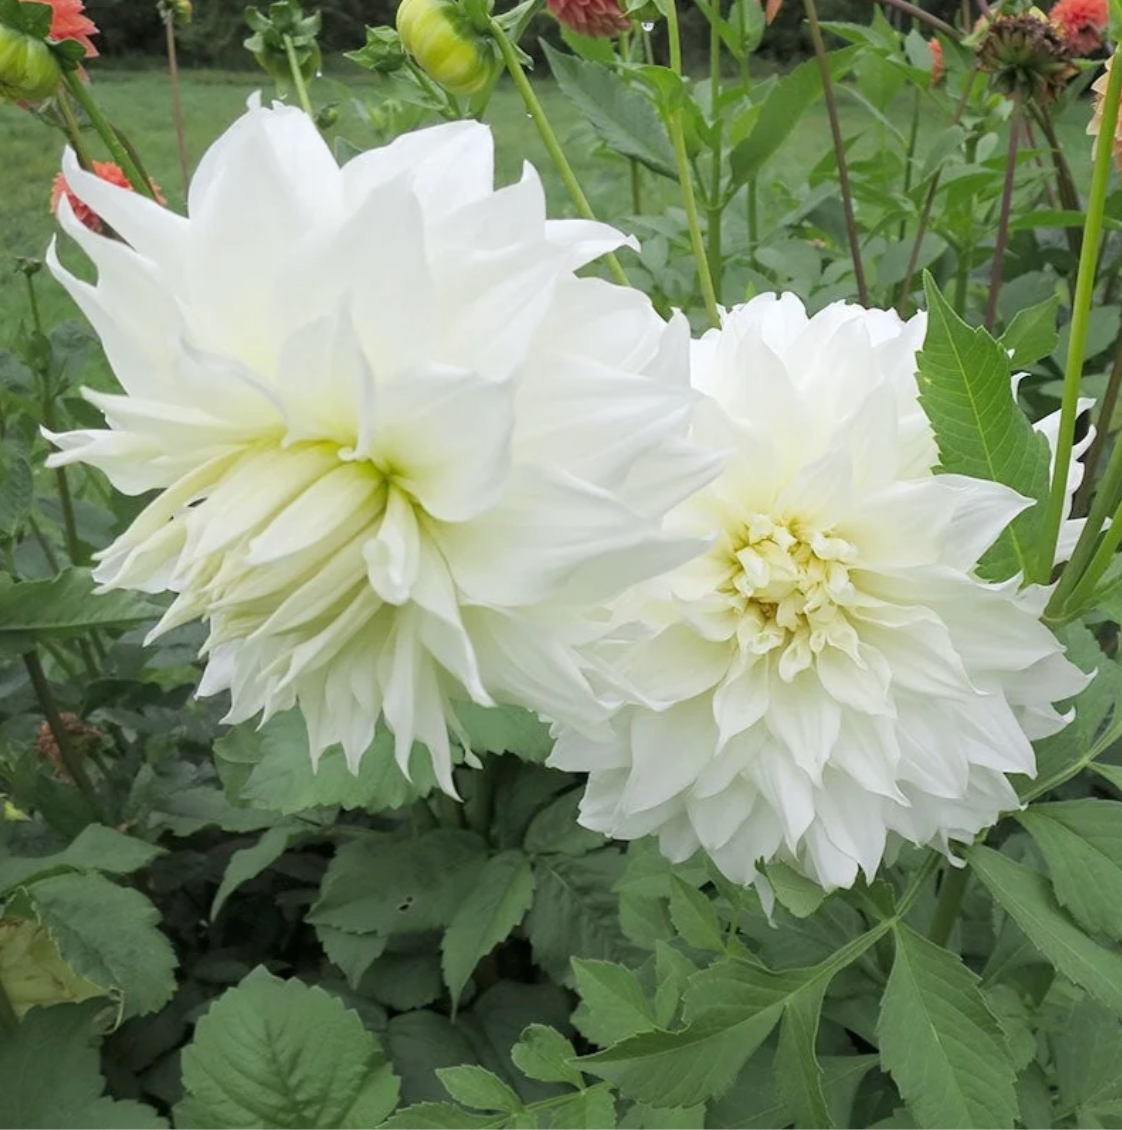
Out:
{"x": 479, "y": 669}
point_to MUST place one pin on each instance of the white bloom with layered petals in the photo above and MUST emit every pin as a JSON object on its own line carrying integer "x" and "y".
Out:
{"x": 832, "y": 672}
{"x": 400, "y": 446}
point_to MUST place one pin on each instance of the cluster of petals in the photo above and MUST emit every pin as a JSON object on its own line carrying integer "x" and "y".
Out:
{"x": 402, "y": 451}
{"x": 1083, "y": 23}
{"x": 108, "y": 171}
{"x": 938, "y": 62}
{"x": 69, "y": 21}
{"x": 831, "y": 677}
{"x": 602, "y": 18}
{"x": 1094, "y": 126}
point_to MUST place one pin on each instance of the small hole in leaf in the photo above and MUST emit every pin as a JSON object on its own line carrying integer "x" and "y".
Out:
{"x": 405, "y": 904}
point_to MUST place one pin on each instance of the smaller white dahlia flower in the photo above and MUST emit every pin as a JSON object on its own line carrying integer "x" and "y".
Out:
{"x": 832, "y": 672}
{"x": 401, "y": 449}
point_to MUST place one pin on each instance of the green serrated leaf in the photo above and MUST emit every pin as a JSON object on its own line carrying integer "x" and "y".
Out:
{"x": 544, "y": 1054}
{"x": 623, "y": 118}
{"x": 385, "y": 884}
{"x": 479, "y": 1088}
{"x": 798, "y": 1074}
{"x": 966, "y": 391}
{"x": 1032, "y": 333}
{"x": 1027, "y": 898}
{"x": 50, "y": 1075}
{"x": 940, "y": 1042}
{"x": 352, "y": 953}
{"x": 284, "y": 1054}
{"x": 1081, "y": 841}
{"x": 695, "y": 917}
{"x": 1088, "y": 1058}
{"x": 495, "y": 905}
{"x": 95, "y": 848}
{"x": 110, "y": 935}
{"x": 613, "y": 1003}
{"x": 504, "y": 729}
{"x": 555, "y": 829}
{"x": 17, "y": 488}
{"x": 793, "y": 891}
{"x": 440, "y": 1116}
{"x": 248, "y": 863}
{"x": 593, "y": 1109}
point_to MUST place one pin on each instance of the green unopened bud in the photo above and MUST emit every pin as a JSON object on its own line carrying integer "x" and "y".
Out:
{"x": 29, "y": 70}
{"x": 284, "y": 24}
{"x": 442, "y": 41}
{"x": 32, "y": 971}
{"x": 178, "y": 10}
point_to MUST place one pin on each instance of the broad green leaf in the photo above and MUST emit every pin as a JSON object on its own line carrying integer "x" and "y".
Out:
{"x": 478, "y": 1088}
{"x": 545, "y": 1054}
{"x": 555, "y": 829}
{"x": 1081, "y": 841}
{"x": 383, "y": 884}
{"x": 504, "y": 729}
{"x": 352, "y": 953}
{"x": 50, "y": 1075}
{"x": 673, "y": 971}
{"x": 623, "y": 118}
{"x": 283, "y": 1054}
{"x": 403, "y": 981}
{"x": 641, "y": 1116}
{"x": 63, "y": 606}
{"x": 17, "y": 489}
{"x": 940, "y": 1042}
{"x": 1032, "y": 333}
{"x": 421, "y": 1042}
{"x": 1088, "y": 1057}
{"x": 492, "y": 908}
{"x": 441, "y": 1116}
{"x": 788, "y": 101}
{"x": 694, "y": 917}
{"x": 576, "y": 911}
{"x": 248, "y": 863}
{"x": 593, "y": 1109}
{"x": 795, "y": 892}
{"x": 966, "y": 391}
{"x": 110, "y": 935}
{"x": 270, "y": 767}
{"x": 798, "y": 1074}
{"x": 613, "y": 1003}
{"x": 1027, "y": 898}
{"x": 95, "y": 848}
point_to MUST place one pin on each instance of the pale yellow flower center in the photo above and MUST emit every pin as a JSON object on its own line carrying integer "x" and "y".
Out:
{"x": 790, "y": 584}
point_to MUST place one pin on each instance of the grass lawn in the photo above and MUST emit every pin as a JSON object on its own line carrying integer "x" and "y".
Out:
{"x": 139, "y": 103}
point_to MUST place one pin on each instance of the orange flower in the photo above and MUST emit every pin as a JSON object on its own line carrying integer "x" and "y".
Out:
{"x": 1082, "y": 22}
{"x": 69, "y": 21}
{"x": 107, "y": 170}
{"x": 1095, "y": 125}
{"x": 590, "y": 17}
{"x": 938, "y": 63}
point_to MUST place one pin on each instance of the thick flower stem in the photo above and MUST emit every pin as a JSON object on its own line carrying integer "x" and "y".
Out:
{"x": 925, "y": 17}
{"x": 107, "y": 133}
{"x": 839, "y": 149}
{"x": 1094, "y": 452}
{"x": 1080, "y": 317}
{"x": 74, "y": 131}
{"x": 297, "y": 77}
{"x": 71, "y": 761}
{"x": 177, "y": 102}
{"x": 947, "y": 908}
{"x": 676, "y": 128}
{"x": 1002, "y": 239}
{"x": 549, "y": 138}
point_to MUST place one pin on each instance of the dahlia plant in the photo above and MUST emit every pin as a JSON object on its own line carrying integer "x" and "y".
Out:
{"x": 632, "y": 649}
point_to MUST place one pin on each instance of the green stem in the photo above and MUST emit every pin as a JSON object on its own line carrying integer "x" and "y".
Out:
{"x": 1082, "y": 498}
{"x": 99, "y": 121}
{"x": 926, "y": 17}
{"x": 839, "y": 149}
{"x": 1080, "y": 316}
{"x": 909, "y": 160}
{"x": 1006, "y": 207}
{"x": 715, "y": 209}
{"x": 947, "y": 908}
{"x": 636, "y": 188}
{"x": 549, "y": 138}
{"x": 1098, "y": 565}
{"x": 74, "y": 131}
{"x": 177, "y": 102}
{"x": 69, "y": 755}
{"x": 677, "y": 132}
{"x": 297, "y": 77}
{"x": 753, "y": 218}
{"x": 44, "y": 545}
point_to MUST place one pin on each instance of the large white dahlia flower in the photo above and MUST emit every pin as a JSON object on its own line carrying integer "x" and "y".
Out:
{"x": 400, "y": 446}
{"x": 831, "y": 672}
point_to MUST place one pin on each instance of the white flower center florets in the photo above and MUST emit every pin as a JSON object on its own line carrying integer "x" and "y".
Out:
{"x": 789, "y": 584}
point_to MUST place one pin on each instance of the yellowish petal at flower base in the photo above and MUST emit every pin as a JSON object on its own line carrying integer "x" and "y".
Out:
{"x": 401, "y": 451}
{"x": 32, "y": 971}
{"x": 831, "y": 677}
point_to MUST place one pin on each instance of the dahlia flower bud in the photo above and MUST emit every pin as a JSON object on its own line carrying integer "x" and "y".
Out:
{"x": 285, "y": 21}
{"x": 178, "y": 10}
{"x": 29, "y": 70}
{"x": 938, "y": 63}
{"x": 603, "y": 18}
{"x": 440, "y": 37}
{"x": 1027, "y": 54}
{"x": 32, "y": 971}
{"x": 1094, "y": 126}
{"x": 1082, "y": 22}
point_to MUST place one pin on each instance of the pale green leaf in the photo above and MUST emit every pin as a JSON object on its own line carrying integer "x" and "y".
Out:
{"x": 941, "y": 1043}
{"x": 491, "y": 909}
{"x": 441, "y": 1116}
{"x": 95, "y": 848}
{"x": 352, "y": 953}
{"x": 593, "y": 1109}
{"x": 283, "y": 1054}
{"x": 798, "y": 1074}
{"x": 793, "y": 891}
{"x": 613, "y": 1004}
{"x": 1032, "y": 333}
{"x": 694, "y": 917}
{"x": 1088, "y": 1056}
{"x": 50, "y": 1076}
{"x": 544, "y": 1054}
{"x": 1027, "y": 898}
{"x": 1081, "y": 841}
{"x": 110, "y": 935}
{"x": 504, "y": 729}
{"x": 248, "y": 863}
{"x": 966, "y": 391}
{"x": 478, "y": 1088}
